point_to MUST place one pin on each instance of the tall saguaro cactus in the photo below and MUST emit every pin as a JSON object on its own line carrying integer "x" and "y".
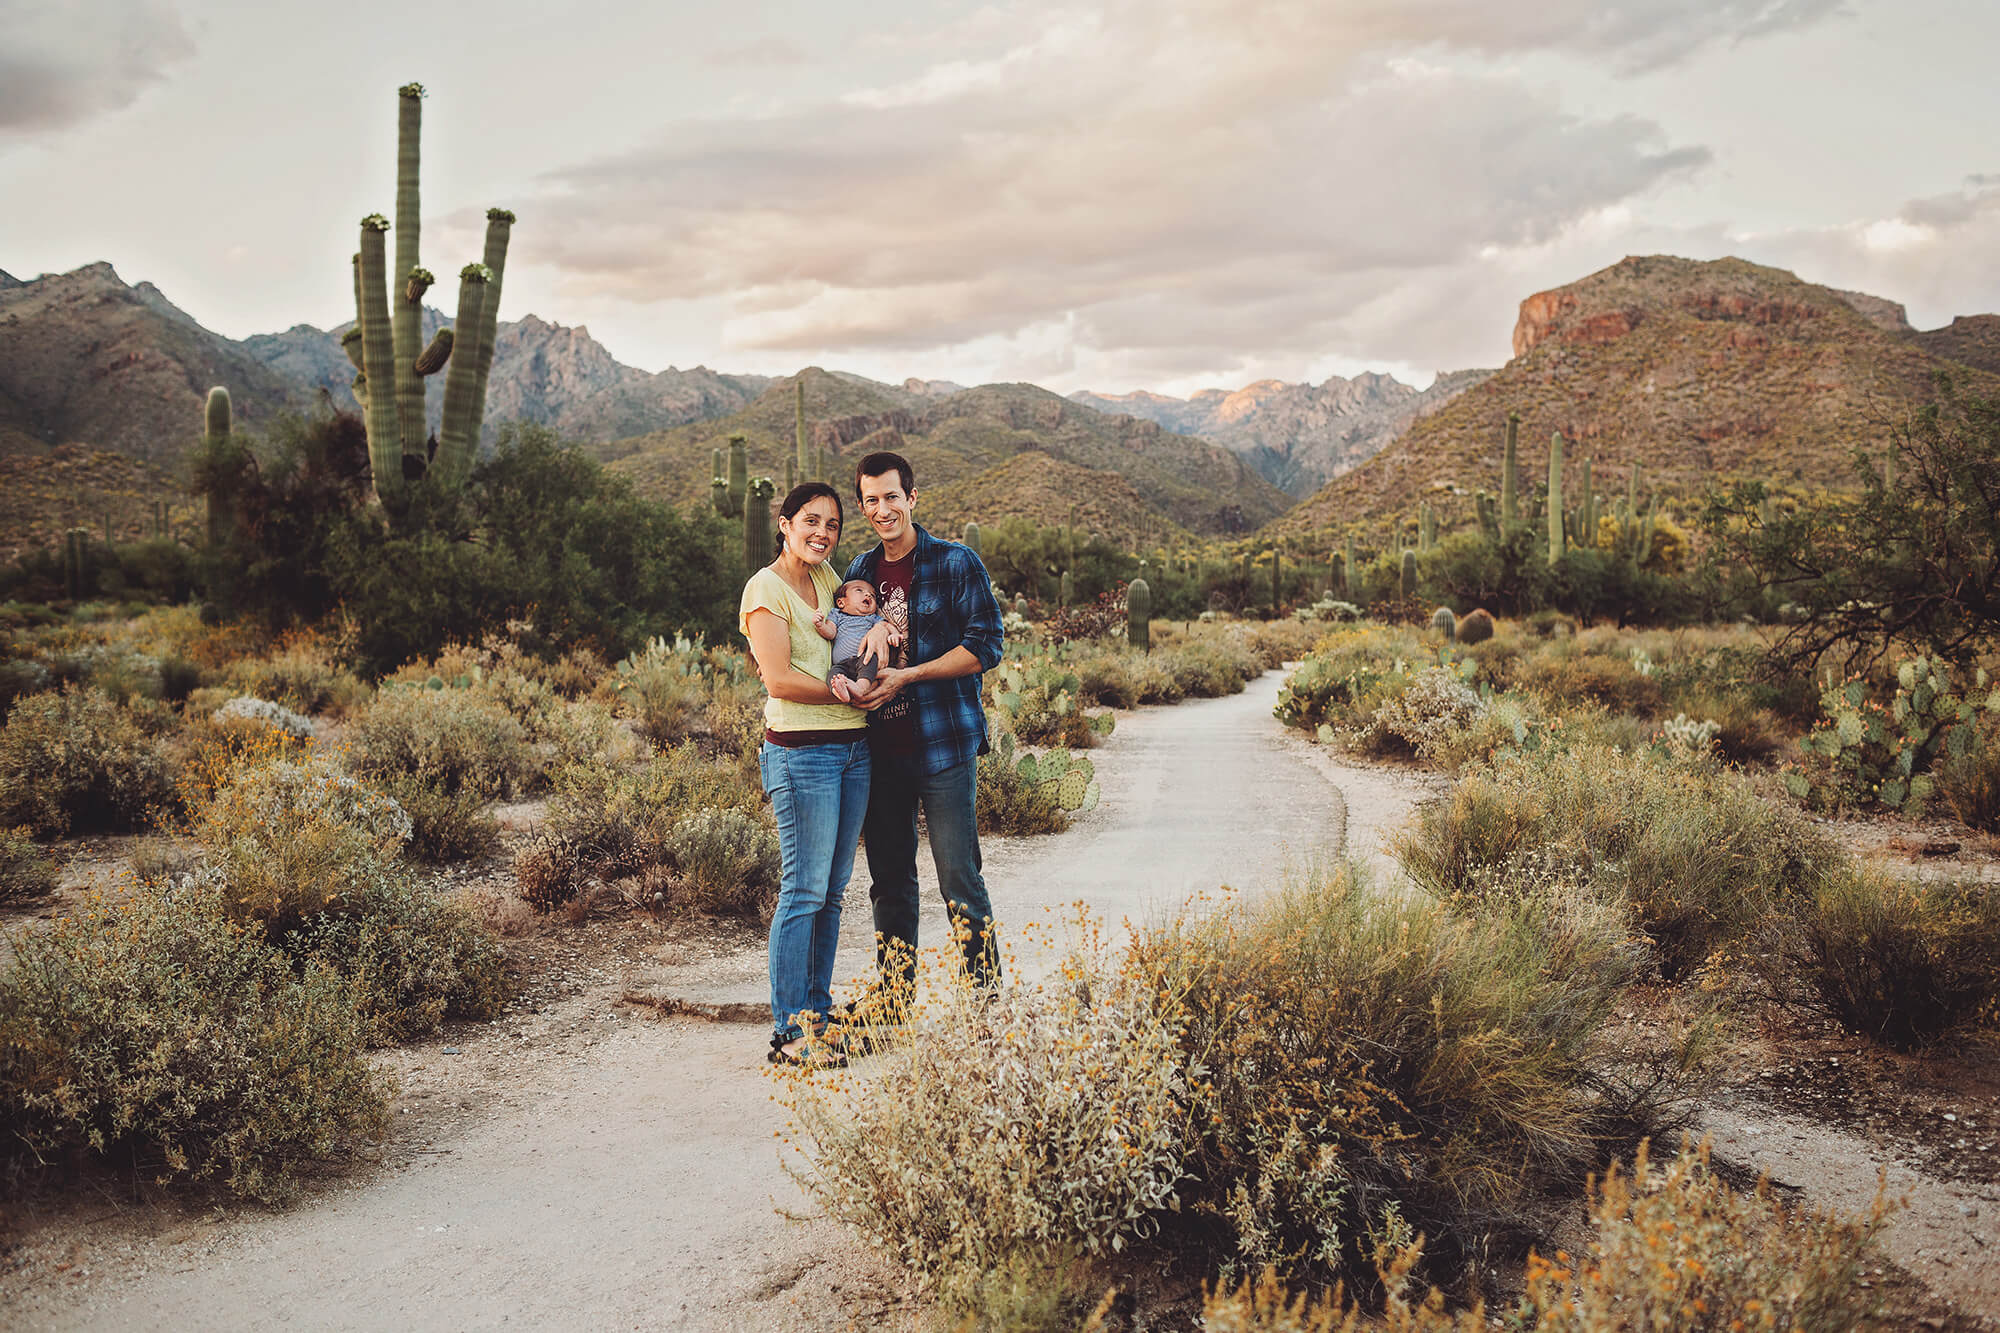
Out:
{"x": 757, "y": 548}
{"x": 389, "y": 308}
{"x": 1139, "y": 615}
{"x": 224, "y": 465}
{"x": 1555, "y": 497}
{"x": 1510, "y": 475}
{"x": 803, "y": 454}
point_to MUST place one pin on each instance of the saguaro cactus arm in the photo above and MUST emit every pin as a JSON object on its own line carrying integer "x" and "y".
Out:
{"x": 1555, "y": 497}
{"x": 411, "y": 278}
{"x": 461, "y": 384}
{"x": 378, "y": 355}
{"x": 433, "y": 358}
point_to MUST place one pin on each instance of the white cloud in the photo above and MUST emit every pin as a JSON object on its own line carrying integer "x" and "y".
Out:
{"x": 62, "y": 63}
{"x": 1169, "y": 183}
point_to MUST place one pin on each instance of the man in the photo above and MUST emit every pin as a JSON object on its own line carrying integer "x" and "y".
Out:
{"x": 927, "y": 729}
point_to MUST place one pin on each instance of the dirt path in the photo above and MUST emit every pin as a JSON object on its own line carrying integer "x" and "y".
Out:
{"x": 583, "y": 1163}
{"x": 630, "y": 1175}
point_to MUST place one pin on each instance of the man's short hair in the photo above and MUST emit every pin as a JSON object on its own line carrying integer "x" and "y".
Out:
{"x": 882, "y": 463}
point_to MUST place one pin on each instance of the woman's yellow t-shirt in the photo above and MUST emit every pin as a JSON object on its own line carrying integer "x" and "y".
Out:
{"x": 811, "y": 653}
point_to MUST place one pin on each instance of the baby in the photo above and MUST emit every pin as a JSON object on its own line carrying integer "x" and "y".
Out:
{"x": 861, "y": 638}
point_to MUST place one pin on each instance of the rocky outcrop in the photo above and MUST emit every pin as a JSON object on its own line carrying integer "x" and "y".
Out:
{"x": 838, "y": 434}
{"x": 1298, "y": 436}
{"x": 1696, "y": 372}
{"x": 1970, "y": 340}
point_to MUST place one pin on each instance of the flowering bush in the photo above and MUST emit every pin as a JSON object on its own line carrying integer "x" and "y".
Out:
{"x": 264, "y": 713}
{"x": 1028, "y": 1127}
{"x": 1429, "y": 714}
{"x": 24, "y": 871}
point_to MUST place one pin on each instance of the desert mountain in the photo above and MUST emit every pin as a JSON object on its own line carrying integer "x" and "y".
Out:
{"x": 542, "y": 372}
{"x": 1186, "y": 482}
{"x": 1696, "y": 371}
{"x": 1299, "y": 436}
{"x": 1052, "y": 493}
{"x": 86, "y": 359}
{"x": 1970, "y": 340}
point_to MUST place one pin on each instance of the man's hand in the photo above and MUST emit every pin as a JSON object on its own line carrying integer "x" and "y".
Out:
{"x": 886, "y": 686}
{"x": 875, "y": 646}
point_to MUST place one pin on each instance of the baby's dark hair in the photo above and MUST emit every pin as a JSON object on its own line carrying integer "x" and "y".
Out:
{"x": 862, "y": 584}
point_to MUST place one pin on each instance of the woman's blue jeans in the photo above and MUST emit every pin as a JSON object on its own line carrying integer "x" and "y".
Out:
{"x": 820, "y": 796}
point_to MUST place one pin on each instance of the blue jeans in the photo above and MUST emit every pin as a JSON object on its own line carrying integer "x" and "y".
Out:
{"x": 949, "y": 800}
{"x": 820, "y": 795}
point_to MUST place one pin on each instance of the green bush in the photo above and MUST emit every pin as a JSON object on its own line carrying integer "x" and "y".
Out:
{"x": 153, "y": 1032}
{"x": 1903, "y": 961}
{"x": 451, "y": 740}
{"x": 301, "y": 675}
{"x": 445, "y": 826}
{"x": 1375, "y": 1065}
{"x": 1697, "y": 856}
{"x": 727, "y": 860}
{"x": 24, "y": 871}
{"x": 1970, "y": 782}
{"x": 75, "y": 762}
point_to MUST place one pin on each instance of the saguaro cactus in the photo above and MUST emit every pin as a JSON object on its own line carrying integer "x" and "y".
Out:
{"x": 1555, "y": 497}
{"x": 223, "y": 465}
{"x": 1427, "y": 527}
{"x": 1349, "y": 579}
{"x": 1510, "y": 475}
{"x": 76, "y": 559}
{"x": 803, "y": 454}
{"x": 971, "y": 539}
{"x": 385, "y": 344}
{"x": 1065, "y": 588}
{"x": 1139, "y": 615}
{"x": 757, "y": 548}
{"x": 726, "y": 493}
{"x": 1277, "y": 579}
{"x": 1586, "y": 512}
{"x": 1409, "y": 581}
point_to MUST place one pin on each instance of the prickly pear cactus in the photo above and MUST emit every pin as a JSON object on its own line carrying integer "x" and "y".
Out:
{"x": 1865, "y": 753}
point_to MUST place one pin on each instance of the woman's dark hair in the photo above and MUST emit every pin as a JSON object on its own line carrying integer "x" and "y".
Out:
{"x": 802, "y": 495}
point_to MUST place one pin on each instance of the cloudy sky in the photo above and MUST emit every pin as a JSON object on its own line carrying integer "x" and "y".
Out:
{"x": 1108, "y": 194}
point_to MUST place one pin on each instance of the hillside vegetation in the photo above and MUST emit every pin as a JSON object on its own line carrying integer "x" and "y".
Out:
{"x": 1185, "y": 482}
{"x": 1697, "y": 371}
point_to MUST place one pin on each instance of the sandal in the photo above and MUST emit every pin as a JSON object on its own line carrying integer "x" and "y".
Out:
{"x": 815, "y": 1056}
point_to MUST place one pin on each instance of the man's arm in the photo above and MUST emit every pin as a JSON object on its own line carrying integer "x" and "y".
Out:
{"x": 981, "y": 639}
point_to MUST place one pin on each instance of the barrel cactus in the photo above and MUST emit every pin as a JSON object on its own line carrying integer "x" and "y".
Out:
{"x": 1445, "y": 623}
{"x": 1139, "y": 615}
{"x": 1475, "y": 626}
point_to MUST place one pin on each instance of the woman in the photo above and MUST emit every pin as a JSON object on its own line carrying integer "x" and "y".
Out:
{"x": 814, "y": 764}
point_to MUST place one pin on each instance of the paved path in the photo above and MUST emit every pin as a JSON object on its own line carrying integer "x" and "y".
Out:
{"x": 639, "y": 1185}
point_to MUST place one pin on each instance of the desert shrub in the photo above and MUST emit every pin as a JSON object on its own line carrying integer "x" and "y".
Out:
{"x": 1744, "y": 732}
{"x": 1209, "y": 666}
{"x": 1106, "y": 678}
{"x": 1009, "y": 804}
{"x": 20, "y": 677}
{"x": 1380, "y": 1063}
{"x": 263, "y": 713}
{"x": 302, "y": 675}
{"x": 453, "y": 741}
{"x": 1263, "y": 1305}
{"x": 1428, "y": 715}
{"x": 76, "y": 761}
{"x": 576, "y": 673}
{"x": 727, "y": 861}
{"x": 1904, "y": 961}
{"x": 1970, "y": 782}
{"x": 1565, "y": 674}
{"x": 548, "y": 871}
{"x": 293, "y": 841}
{"x": 154, "y": 1032}
{"x": 1023, "y": 1130}
{"x": 445, "y": 825}
{"x": 24, "y": 871}
{"x": 1347, "y": 676}
{"x": 1675, "y": 1247}
{"x": 1276, "y": 642}
{"x": 411, "y": 958}
{"x": 309, "y": 856}
{"x": 1698, "y": 857}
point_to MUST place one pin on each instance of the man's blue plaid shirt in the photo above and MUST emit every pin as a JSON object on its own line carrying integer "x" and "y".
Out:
{"x": 951, "y": 604}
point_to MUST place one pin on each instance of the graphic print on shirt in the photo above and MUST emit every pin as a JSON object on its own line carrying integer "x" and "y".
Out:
{"x": 894, "y": 600}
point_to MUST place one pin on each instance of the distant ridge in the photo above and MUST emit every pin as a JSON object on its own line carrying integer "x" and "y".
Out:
{"x": 1298, "y": 436}
{"x": 1696, "y": 371}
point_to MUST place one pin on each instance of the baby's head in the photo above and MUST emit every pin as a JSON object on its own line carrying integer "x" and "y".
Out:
{"x": 856, "y": 597}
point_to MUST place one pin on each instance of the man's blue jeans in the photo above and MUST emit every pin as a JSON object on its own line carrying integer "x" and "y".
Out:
{"x": 820, "y": 796}
{"x": 949, "y": 801}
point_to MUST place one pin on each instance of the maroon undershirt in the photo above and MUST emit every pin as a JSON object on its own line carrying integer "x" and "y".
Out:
{"x": 892, "y": 729}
